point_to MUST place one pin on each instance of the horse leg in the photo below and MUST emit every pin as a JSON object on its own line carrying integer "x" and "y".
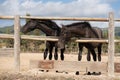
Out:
{"x": 94, "y": 57}
{"x": 62, "y": 54}
{"x": 99, "y": 52}
{"x": 56, "y": 53}
{"x": 46, "y": 50}
{"x": 93, "y": 54}
{"x": 45, "y": 53}
{"x": 80, "y": 52}
{"x": 50, "y": 52}
{"x": 88, "y": 56}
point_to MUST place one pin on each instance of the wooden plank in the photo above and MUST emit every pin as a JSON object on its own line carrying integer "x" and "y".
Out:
{"x": 111, "y": 46}
{"x": 65, "y": 18}
{"x": 6, "y": 17}
{"x": 52, "y": 38}
{"x": 44, "y": 64}
{"x": 92, "y": 40}
{"x": 17, "y": 43}
{"x": 42, "y": 38}
{"x": 7, "y": 36}
{"x": 60, "y": 18}
{"x": 30, "y": 37}
{"x": 69, "y": 66}
{"x": 118, "y": 20}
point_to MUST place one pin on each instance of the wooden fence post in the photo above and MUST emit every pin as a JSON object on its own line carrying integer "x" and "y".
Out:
{"x": 111, "y": 45}
{"x": 17, "y": 43}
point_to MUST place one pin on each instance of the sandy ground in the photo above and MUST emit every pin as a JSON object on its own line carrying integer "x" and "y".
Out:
{"x": 7, "y": 62}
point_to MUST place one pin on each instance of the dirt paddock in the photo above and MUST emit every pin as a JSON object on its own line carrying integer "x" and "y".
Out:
{"x": 7, "y": 71}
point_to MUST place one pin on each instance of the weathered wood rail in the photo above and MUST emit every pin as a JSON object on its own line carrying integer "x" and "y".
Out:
{"x": 53, "y": 38}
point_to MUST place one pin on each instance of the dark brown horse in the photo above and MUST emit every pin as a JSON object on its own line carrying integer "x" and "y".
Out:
{"x": 81, "y": 29}
{"x": 50, "y": 28}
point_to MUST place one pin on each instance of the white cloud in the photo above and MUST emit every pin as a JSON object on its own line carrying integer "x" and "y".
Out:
{"x": 9, "y": 7}
{"x": 76, "y": 8}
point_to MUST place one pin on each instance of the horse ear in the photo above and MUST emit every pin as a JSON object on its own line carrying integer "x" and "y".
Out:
{"x": 63, "y": 26}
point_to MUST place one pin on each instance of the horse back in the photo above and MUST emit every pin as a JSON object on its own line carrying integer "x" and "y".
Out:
{"x": 99, "y": 32}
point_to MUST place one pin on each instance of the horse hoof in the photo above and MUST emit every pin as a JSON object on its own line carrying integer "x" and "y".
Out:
{"x": 50, "y": 57}
{"x": 88, "y": 59}
{"x": 62, "y": 57}
{"x": 95, "y": 59}
{"x": 56, "y": 57}
{"x": 45, "y": 57}
{"x": 99, "y": 58}
{"x": 79, "y": 58}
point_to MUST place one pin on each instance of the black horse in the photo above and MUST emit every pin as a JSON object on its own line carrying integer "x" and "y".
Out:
{"x": 81, "y": 29}
{"x": 50, "y": 28}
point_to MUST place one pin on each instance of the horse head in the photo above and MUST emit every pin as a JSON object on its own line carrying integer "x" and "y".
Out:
{"x": 29, "y": 26}
{"x": 64, "y": 37}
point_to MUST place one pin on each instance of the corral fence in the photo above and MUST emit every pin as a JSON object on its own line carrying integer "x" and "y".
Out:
{"x": 17, "y": 36}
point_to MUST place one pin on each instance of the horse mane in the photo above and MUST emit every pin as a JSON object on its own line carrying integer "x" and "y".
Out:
{"x": 87, "y": 24}
{"x": 83, "y": 25}
{"x": 49, "y": 23}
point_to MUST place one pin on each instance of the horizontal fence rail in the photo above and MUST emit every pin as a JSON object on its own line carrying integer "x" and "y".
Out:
{"x": 66, "y": 18}
{"x": 53, "y": 38}
{"x": 60, "y": 18}
{"x": 6, "y": 17}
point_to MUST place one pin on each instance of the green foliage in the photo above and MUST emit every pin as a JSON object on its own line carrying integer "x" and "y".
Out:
{"x": 31, "y": 46}
{"x": 27, "y": 15}
{"x": 117, "y": 31}
{"x": 105, "y": 31}
{"x": 117, "y": 45}
{"x": 7, "y": 29}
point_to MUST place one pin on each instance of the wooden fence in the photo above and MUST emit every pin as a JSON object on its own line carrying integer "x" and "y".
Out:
{"x": 110, "y": 40}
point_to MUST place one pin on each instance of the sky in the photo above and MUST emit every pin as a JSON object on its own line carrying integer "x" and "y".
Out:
{"x": 60, "y": 8}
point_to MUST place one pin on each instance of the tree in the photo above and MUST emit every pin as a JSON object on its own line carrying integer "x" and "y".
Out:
{"x": 27, "y": 14}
